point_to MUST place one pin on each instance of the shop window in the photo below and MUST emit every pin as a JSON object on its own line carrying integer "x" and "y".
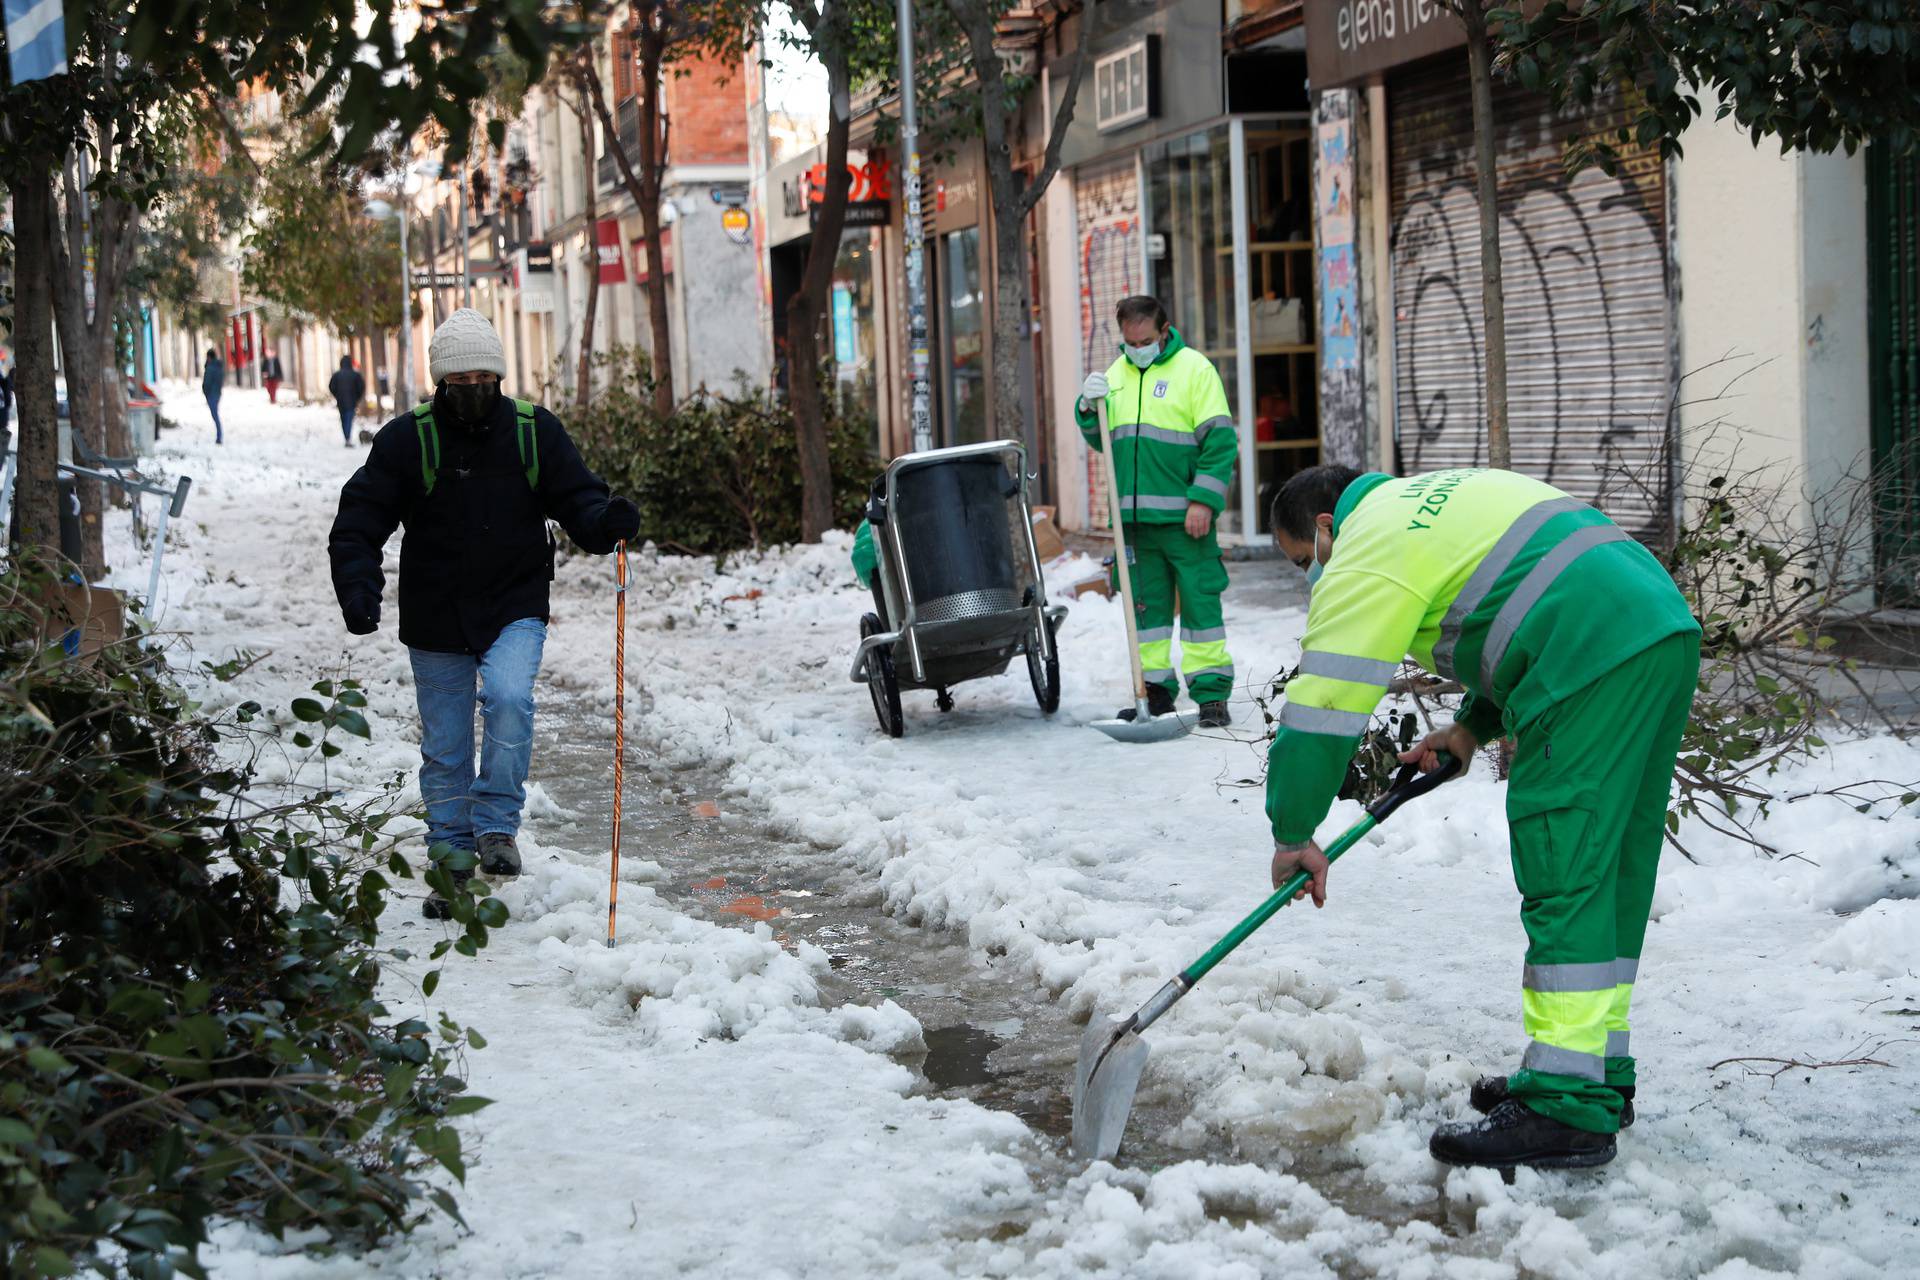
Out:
{"x": 1190, "y": 255}
{"x": 1286, "y": 367}
{"x": 966, "y": 337}
{"x": 851, "y": 335}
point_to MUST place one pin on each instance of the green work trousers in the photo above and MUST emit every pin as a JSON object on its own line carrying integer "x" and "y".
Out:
{"x": 1175, "y": 573}
{"x": 1587, "y": 808}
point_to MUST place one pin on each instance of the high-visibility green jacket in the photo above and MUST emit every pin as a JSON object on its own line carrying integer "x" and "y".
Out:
{"x": 1173, "y": 436}
{"x": 1521, "y": 593}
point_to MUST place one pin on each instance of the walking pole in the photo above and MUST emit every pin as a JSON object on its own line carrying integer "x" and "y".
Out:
{"x": 619, "y": 722}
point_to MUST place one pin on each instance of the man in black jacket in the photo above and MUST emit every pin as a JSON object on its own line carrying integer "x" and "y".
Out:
{"x": 349, "y": 388}
{"x": 474, "y": 477}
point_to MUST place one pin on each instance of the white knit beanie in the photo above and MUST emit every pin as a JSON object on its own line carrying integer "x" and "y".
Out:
{"x": 463, "y": 343}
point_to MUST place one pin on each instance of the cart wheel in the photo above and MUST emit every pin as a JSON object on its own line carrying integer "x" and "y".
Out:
{"x": 1044, "y": 672}
{"x": 943, "y": 699}
{"x": 881, "y": 682}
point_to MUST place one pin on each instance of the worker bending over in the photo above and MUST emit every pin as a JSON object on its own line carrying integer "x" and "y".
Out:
{"x": 1572, "y": 640}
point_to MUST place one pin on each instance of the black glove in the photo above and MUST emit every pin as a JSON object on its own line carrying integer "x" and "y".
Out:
{"x": 620, "y": 522}
{"x": 362, "y": 614}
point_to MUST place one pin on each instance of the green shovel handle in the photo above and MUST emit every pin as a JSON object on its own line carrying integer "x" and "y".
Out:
{"x": 1409, "y": 783}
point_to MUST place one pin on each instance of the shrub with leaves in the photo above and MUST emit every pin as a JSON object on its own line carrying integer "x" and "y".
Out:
{"x": 190, "y": 1019}
{"x": 723, "y": 472}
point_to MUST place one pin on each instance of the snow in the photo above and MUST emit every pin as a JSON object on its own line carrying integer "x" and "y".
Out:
{"x": 689, "y": 1103}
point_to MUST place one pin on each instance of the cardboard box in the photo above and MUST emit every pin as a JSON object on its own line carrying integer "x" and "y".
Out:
{"x": 1047, "y": 541}
{"x": 84, "y": 620}
{"x": 1097, "y": 584}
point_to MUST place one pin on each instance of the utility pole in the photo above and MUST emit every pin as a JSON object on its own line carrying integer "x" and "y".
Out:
{"x": 466, "y": 268}
{"x": 403, "y": 381}
{"x": 917, "y": 342}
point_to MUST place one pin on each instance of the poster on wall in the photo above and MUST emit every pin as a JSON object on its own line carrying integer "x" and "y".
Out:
{"x": 843, "y": 345}
{"x": 1343, "y": 433}
{"x": 1109, "y": 244}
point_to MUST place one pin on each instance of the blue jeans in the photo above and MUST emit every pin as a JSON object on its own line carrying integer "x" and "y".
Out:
{"x": 463, "y": 805}
{"x": 346, "y": 423}
{"x": 213, "y": 406}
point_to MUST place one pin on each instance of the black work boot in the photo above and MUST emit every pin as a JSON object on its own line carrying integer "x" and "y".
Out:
{"x": 1159, "y": 703}
{"x": 1512, "y": 1134}
{"x": 1214, "y": 715}
{"x": 437, "y": 907}
{"x": 499, "y": 855}
{"x": 1489, "y": 1092}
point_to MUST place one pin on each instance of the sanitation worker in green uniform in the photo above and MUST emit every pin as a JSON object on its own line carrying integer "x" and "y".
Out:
{"x": 1573, "y": 641}
{"x": 1173, "y": 453}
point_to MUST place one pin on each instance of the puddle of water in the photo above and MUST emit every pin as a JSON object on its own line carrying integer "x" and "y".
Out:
{"x": 957, "y": 1057}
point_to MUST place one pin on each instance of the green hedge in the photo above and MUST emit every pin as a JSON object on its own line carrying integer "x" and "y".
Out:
{"x": 722, "y": 473}
{"x": 190, "y": 1019}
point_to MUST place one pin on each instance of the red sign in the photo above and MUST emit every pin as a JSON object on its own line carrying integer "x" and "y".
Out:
{"x": 870, "y": 181}
{"x": 606, "y": 237}
{"x": 642, "y": 269}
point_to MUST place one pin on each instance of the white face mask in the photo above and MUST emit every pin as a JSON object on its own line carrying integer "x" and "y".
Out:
{"x": 1144, "y": 356}
{"x": 1318, "y": 566}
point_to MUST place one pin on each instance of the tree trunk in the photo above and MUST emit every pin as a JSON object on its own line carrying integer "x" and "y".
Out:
{"x": 806, "y": 308}
{"x": 584, "y": 392}
{"x": 643, "y": 185}
{"x": 1486, "y": 180}
{"x": 81, "y": 364}
{"x": 35, "y": 494}
{"x": 1013, "y": 198}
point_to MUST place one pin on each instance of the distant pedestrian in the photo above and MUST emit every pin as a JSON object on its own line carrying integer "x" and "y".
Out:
{"x": 211, "y": 381}
{"x": 348, "y": 389}
{"x": 270, "y": 374}
{"x": 475, "y": 477}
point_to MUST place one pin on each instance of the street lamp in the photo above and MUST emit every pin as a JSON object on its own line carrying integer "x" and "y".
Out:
{"x": 380, "y": 211}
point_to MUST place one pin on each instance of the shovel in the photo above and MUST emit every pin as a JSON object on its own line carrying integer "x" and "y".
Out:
{"x": 1144, "y": 727}
{"x": 1112, "y": 1054}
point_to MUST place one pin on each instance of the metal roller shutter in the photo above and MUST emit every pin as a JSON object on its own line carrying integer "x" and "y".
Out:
{"x": 1589, "y": 330}
{"x": 1107, "y": 216}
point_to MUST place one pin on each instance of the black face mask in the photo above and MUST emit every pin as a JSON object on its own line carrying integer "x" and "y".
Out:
{"x": 472, "y": 404}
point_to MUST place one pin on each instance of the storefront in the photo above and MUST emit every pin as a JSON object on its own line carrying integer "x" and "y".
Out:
{"x": 850, "y": 334}
{"x": 1210, "y": 213}
{"x": 1590, "y": 338}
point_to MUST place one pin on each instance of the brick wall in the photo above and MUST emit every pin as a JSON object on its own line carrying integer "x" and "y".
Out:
{"x": 707, "y": 104}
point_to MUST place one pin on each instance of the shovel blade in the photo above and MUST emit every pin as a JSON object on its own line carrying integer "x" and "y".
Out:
{"x": 1175, "y": 724}
{"x": 1104, "y": 1081}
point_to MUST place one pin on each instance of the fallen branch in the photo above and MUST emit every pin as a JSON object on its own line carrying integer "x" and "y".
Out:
{"x": 1792, "y": 1064}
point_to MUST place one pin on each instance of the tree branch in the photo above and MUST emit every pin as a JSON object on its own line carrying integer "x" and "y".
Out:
{"x": 1062, "y": 116}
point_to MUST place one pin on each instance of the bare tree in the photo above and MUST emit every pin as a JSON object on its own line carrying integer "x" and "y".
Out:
{"x": 577, "y": 71}
{"x": 35, "y": 495}
{"x": 1014, "y": 193}
{"x": 650, "y": 33}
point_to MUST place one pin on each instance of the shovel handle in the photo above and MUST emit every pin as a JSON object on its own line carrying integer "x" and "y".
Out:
{"x": 1407, "y": 784}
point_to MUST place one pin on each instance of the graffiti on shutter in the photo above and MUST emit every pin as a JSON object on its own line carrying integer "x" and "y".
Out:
{"x": 1107, "y": 218}
{"x": 1590, "y": 365}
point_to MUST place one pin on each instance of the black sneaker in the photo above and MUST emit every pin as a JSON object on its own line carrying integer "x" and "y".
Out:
{"x": 437, "y": 907}
{"x": 1513, "y": 1134}
{"x": 1214, "y": 715}
{"x": 1489, "y": 1092}
{"x": 499, "y": 855}
{"x": 1159, "y": 703}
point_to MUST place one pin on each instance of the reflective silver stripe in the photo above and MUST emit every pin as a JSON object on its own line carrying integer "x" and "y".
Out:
{"x": 1533, "y": 586}
{"x": 1147, "y": 635}
{"x": 1491, "y": 566}
{"x": 1345, "y": 666}
{"x": 1210, "y": 671}
{"x": 1165, "y": 435}
{"x": 1152, "y": 502}
{"x": 1201, "y": 635}
{"x": 1625, "y": 970}
{"x": 1617, "y": 1044}
{"x": 1159, "y": 675}
{"x": 1212, "y": 484}
{"x": 1200, "y": 432}
{"x": 1569, "y": 977}
{"x": 1323, "y": 720}
{"x": 1563, "y": 1062}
